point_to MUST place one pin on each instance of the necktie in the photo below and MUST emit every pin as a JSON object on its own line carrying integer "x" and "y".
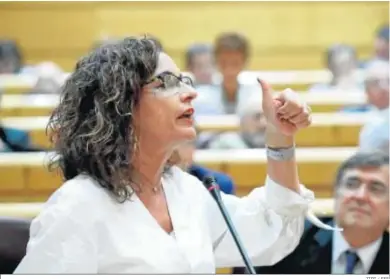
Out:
{"x": 352, "y": 260}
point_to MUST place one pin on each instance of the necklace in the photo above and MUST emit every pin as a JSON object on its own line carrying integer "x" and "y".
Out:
{"x": 140, "y": 189}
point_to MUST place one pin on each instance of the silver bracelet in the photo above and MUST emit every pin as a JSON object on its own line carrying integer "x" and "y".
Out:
{"x": 281, "y": 154}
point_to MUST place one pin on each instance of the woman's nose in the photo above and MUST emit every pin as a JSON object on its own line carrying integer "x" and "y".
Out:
{"x": 189, "y": 95}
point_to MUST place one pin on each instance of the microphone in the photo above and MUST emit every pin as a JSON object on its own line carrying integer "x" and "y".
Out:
{"x": 212, "y": 186}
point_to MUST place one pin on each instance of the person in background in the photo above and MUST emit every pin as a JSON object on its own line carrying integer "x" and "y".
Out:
{"x": 183, "y": 157}
{"x": 341, "y": 60}
{"x": 381, "y": 46}
{"x": 11, "y": 59}
{"x": 15, "y": 140}
{"x": 251, "y": 133}
{"x": 362, "y": 210}
{"x": 50, "y": 77}
{"x": 12, "y": 62}
{"x": 375, "y": 133}
{"x": 231, "y": 51}
{"x": 382, "y": 43}
{"x": 199, "y": 62}
{"x": 12, "y": 139}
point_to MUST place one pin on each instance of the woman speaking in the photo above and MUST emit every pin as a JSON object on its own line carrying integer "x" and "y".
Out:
{"x": 123, "y": 208}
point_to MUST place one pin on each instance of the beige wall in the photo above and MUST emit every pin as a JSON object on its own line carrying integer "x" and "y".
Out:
{"x": 284, "y": 35}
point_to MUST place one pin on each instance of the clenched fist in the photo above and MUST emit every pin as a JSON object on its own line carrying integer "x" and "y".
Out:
{"x": 285, "y": 111}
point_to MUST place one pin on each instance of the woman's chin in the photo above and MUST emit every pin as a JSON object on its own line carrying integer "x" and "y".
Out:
{"x": 186, "y": 133}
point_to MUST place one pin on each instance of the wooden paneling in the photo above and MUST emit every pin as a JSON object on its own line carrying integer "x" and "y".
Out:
{"x": 282, "y": 34}
{"x": 59, "y": 32}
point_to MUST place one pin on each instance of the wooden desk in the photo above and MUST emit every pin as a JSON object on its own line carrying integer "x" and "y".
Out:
{"x": 317, "y": 166}
{"x": 13, "y": 105}
{"x": 24, "y": 176}
{"x": 43, "y": 104}
{"x": 328, "y": 129}
{"x": 298, "y": 80}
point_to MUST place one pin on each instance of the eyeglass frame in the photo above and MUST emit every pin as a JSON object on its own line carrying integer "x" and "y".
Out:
{"x": 183, "y": 81}
{"x": 344, "y": 186}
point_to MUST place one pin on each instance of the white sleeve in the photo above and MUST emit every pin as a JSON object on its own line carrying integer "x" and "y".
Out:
{"x": 269, "y": 221}
{"x": 62, "y": 240}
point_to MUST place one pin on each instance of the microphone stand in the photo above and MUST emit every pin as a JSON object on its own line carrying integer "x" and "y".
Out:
{"x": 213, "y": 188}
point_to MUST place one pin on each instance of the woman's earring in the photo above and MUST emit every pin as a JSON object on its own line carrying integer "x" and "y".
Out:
{"x": 135, "y": 144}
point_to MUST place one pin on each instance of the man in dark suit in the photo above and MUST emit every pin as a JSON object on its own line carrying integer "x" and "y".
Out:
{"x": 362, "y": 210}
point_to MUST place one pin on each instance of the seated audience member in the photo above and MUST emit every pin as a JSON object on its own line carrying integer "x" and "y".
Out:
{"x": 252, "y": 129}
{"x": 50, "y": 78}
{"x": 14, "y": 140}
{"x": 381, "y": 46}
{"x": 199, "y": 62}
{"x": 231, "y": 52}
{"x": 11, "y": 60}
{"x": 362, "y": 210}
{"x": 11, "y": 139}
{"x": 183, "y": 157}
{"x": 375, "y": 134}
{"x": 341, "y": 60}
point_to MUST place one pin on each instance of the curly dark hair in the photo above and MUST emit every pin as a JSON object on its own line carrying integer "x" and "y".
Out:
{"x": 92, "y": 127}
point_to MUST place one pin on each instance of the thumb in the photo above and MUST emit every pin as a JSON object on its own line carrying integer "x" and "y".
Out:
{"x": 265, "y": 87}
{"x": 267, "y": 92}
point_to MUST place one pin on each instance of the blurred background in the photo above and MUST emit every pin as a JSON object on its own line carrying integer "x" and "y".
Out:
{"x": 335, "y": 54}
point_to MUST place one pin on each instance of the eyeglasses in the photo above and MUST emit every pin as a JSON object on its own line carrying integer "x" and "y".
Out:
{"x": 374, "y": 188}
{"x": 169, "y": 84}
{"x": 378, "y": 83}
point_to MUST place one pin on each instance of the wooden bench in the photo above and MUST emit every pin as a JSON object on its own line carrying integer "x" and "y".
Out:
{"x": 328, "y": 129}
{"x": 248, "y": 168}
{"x": 298, "y": 80}
{"x": 24, "y": 176}
{"x": 43, "y": 104}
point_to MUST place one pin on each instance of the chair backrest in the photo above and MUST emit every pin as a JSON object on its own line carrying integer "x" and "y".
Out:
{"x": 14, "y": 235}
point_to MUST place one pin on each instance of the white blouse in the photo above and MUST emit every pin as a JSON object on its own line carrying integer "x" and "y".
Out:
{"x": 81, "y": 229}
